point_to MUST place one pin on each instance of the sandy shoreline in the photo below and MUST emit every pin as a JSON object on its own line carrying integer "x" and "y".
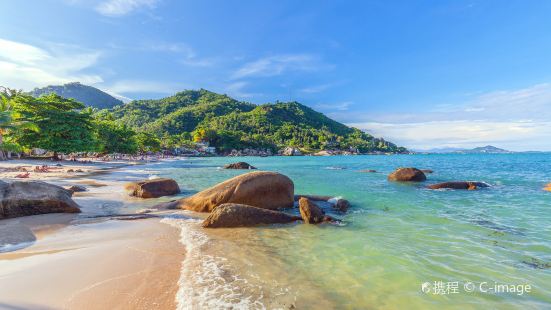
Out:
{"x": 66, "y": 262}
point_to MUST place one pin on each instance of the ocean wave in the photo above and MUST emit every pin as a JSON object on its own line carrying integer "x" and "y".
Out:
{"x": 206, "y": 280}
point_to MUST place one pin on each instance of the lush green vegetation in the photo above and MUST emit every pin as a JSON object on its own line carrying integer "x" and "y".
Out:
{"x": 89, "y": 96}
{"x": 62, "y": 125}
{"x": 230, "y": 124}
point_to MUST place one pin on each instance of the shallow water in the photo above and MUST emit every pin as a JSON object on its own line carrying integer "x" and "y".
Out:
{"x": 394, "y": 238}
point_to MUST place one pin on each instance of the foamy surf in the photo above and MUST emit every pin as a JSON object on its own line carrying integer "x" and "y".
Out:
{"x": 206, "y": 281}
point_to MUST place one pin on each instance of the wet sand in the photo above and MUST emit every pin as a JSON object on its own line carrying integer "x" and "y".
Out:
{"x": 107, "y": 265}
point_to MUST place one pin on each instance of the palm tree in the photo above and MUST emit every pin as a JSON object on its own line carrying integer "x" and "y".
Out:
{"x": 10, "y": 119}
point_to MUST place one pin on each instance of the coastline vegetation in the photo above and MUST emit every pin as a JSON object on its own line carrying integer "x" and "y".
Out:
{"x": 64, "y": 126}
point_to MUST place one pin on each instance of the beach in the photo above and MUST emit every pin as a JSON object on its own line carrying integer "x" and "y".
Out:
{"x": 66, "y": 261}
{"x": 393, "y": 239}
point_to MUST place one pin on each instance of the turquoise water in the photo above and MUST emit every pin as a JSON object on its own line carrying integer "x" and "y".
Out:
{"x": 398, "y": 236}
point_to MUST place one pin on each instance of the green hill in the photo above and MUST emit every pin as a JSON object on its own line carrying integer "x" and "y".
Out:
{"x": 230, "y": 124}
{"x": 90, "y": 96}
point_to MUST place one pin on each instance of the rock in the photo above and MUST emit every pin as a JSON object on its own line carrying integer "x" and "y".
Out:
{"x": 368, "y": 170}
{"x": 310, "y": 212}
{"x": 239, "y": 165}
{"x": 20, "y": 198}
{"x": 427, "y": 171}
{"x": 76, "y": 188}
{"x": 238, "y": 215}
{"x": 407, "y": 175}
{"x": 291, "y": 151}
{"x": 153, "y": 188}
{"x": 459, "y": 185}
{"x": 340, "y": 204}
{"x": 262, "y": 189}
{"x": 70, "y": 170}
{"x": 547, "y": 187}
{"x": 323, "y": 153}
{"x": 313, "y": 197}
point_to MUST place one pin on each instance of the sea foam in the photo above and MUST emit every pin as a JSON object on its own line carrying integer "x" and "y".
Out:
{"x": 206, "y": 281}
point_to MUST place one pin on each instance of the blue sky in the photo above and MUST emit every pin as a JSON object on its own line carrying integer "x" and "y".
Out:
{"x": 421, "y": 73}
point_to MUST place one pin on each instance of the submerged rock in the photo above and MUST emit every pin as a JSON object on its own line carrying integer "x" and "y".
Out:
{"x": 153, "y": 188}
{"x": 368, "y": 170}
{"x": 240, "y": 215}
{"x": 20, "y": 198}
{"x": 261, "y": 189}
{"x": 407, "y": 175}
{"x": 459, "y": 185}
{"x": 239, "y": 165}
{"x": 310, "y": 212}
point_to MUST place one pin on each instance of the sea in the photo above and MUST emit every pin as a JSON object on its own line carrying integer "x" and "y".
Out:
{"x": 399, "y": 246}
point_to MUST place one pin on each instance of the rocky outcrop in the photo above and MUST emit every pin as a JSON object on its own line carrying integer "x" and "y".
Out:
{"x": 310, "y": 212}
{"x": 458, "y": 185}
{"x": 239, "y": 165}
{"x": 34, "y": 197}
{"x": 76, "y": 188}
{"x": 240, "y": 215}
{"x": 291, "y": 151}
{"x": 407, "y": 175}
{"x": 153, "y": 188}
{"x": 261, "y": 189}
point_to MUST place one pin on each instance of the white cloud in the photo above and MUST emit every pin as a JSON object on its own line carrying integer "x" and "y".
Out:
{"x": 188, "y": 55}
{"x": 518, "y": 119}
{"x": 339, "y": 106}
{"x": 276, "y": 65}
{"x": 317, "y": 88}
{"x": 26, "y": 66}
{"x": 237, "y": 90}
{"x": 116, "y": 8}
{"x": 143, "y": 86}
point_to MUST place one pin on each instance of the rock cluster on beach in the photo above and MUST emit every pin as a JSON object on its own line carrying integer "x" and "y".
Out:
{"x": 239, "y": 165}
{"x": 153, "y": 188}
{"x": 21, "y": 198}
{"x": 252, "y": 199}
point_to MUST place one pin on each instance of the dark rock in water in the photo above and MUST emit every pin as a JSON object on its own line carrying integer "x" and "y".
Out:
{"x": 310, "y": 212}
{"x": 153, "y": 188}
{"x": 368, "y": 171}
{"x": 240, "y": 215}
{"x": 34, "y": 197}
{"x": 76, "y": 188}
{"x": 459, "y": 185}
{"x": 261, "y": 189}
{"x": 239, "y": 165}
{"x": 427, "y": 171}
{"x": 407, "y": 175}
{"x": 340, "y": 204}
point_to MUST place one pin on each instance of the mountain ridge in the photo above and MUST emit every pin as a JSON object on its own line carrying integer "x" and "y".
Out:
{"x": 90, "y": 96}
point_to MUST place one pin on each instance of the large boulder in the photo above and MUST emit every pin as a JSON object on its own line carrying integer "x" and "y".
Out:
{"x": 20, "y": 198}
{"x": 458, "y": 185}
{"x": 239, "y": 215}
{"x": 338, "y": 203}
{"x": 239, "y": 165}
{"x": 153, "y": 188}
{"x": 262, "y": 189}
{"x": 407, "y": 175}
{"x": 310, "y": 212}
